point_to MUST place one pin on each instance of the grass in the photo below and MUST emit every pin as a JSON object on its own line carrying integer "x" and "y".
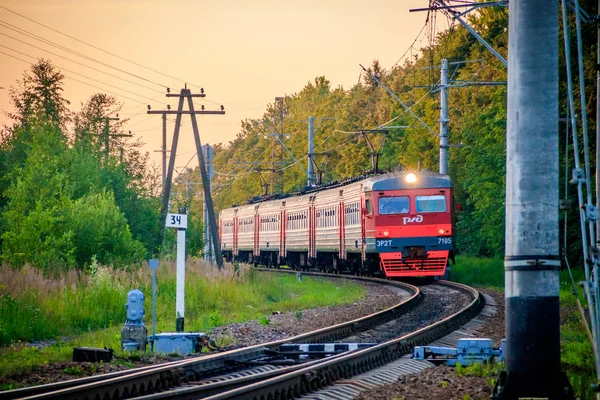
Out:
{"x": 577, "y": 357}
{"x": 88, "y": 309}
{"x": 483, "y": 272}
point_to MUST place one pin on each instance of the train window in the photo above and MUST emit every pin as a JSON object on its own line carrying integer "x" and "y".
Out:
{"x": 369, "y": 206}
{"x": 435, "y": 203}
{"x": 394, "y": 205}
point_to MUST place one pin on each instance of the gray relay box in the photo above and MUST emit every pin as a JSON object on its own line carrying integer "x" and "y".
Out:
{"x": 178, "y": 342}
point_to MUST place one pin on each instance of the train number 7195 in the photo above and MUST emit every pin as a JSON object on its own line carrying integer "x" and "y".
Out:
{"x": 444, "y": 240}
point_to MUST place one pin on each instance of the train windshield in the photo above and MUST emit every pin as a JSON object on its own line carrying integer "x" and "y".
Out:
{"x": 436, "y": 203}
{"x": 394, "y": 205}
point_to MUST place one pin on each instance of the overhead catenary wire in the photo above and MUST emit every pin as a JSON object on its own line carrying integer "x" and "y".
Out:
{"x": 412, "y": 45}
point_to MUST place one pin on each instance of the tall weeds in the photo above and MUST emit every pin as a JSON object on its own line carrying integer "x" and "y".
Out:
{"x": 37, "y": 307}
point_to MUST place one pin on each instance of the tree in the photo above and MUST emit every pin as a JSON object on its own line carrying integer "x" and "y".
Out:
{"x": 374, "y": 71}
{"x": 38, "y": 96}
{"x": 71, "y": 217}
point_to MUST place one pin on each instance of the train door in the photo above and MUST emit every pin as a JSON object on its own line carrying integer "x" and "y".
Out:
{"x": 282, "y": 232}
{"x": 236, "y": 230}
{"x": 256, "y": 250}
{"x": 366, "y": 205}
{"x": 312, "y": 229}
{"x": 342, "y": 230}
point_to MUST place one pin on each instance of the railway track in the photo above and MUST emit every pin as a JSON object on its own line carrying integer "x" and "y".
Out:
{"x": 233, "y": 374}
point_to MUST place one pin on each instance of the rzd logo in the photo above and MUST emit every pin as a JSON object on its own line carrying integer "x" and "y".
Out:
{"x": 417, "y": 219}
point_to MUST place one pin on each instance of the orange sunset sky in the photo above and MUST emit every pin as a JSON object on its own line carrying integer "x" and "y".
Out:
{"x": 243, "y": 53}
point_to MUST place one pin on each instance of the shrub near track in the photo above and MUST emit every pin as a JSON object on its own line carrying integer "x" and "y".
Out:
{"x": 88, "y": 309}
{"x": 577, "y": 357}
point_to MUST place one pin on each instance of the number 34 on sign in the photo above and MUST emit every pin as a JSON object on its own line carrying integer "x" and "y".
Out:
{"x": 176, "y": 221}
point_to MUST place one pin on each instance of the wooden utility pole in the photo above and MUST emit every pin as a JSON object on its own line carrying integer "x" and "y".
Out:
{"x": 107, "y": 135}
{"x": 163, "y": 149}
{"x": 187, "y": 94}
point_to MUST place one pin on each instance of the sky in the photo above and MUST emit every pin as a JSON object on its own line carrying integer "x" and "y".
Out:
{"x": 243, "y": 53}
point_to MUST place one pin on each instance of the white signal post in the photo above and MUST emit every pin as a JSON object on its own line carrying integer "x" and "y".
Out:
{"x": 179, "y": 221}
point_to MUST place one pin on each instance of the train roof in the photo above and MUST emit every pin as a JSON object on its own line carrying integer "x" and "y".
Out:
{"x": 388, "y": 181}
{"x": 396, "y": 180}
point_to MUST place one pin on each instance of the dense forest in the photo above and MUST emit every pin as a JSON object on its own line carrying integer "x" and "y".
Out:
{"x": 68, "y": 199}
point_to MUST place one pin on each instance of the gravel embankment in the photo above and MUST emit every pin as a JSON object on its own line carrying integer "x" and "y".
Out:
{"x": 281, "y": 326}
{"x": 443, "y": 383}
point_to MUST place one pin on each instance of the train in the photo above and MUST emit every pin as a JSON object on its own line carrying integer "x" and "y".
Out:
{"x": 396, "y": 224}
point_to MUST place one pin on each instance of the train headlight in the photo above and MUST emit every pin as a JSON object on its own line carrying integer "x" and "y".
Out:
{"x": 410, "y": 178}
{"x": 386, "y": 233}
{"x": 441, "y": 231}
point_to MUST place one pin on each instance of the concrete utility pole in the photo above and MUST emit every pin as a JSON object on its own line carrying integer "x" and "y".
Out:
{"x": 208, "y": 153}
{"x": 598, "y": 126}
{"x": 187, "y": 94}
{"x": 532, "y": 250}
{"x": 444, "y": 118}
{"x": 311, "y": 149}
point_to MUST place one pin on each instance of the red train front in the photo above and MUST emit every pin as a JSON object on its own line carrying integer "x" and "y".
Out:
{"x": 410, "y": 223}
{"x": 399, "y": 224}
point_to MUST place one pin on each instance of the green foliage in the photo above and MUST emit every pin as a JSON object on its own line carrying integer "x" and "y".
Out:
{"x": 38, "y": 96}
{"x": 264, "y": 321}
{"x": 101, "y": 231}
{"x": 479, "y": 271}
{"x": 63, "y": 200}
{"x": 73, "y": 371}
{"x": 215, "y": 318}
{"x": 67, "y": 220}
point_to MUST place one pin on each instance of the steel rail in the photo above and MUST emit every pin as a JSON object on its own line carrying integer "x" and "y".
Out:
{"x": 306, "y": 380}
{"x": 162, "y": 377}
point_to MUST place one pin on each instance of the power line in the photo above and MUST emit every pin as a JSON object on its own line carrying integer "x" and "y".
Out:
{"x": 95, "y": 47}
{"x": 76, "y": 53}
{"x": 77, "y": 80}
{"x": 84, "y": 76}
{"x": 87, "y": 66}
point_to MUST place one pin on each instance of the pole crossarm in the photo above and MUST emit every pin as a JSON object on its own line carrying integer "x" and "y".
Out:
{"x": 190, "y": 95}
{"x": 209, "y": 112}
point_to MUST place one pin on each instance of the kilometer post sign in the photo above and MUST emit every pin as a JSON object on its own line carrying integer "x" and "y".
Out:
{"x": 176, "y": 221}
